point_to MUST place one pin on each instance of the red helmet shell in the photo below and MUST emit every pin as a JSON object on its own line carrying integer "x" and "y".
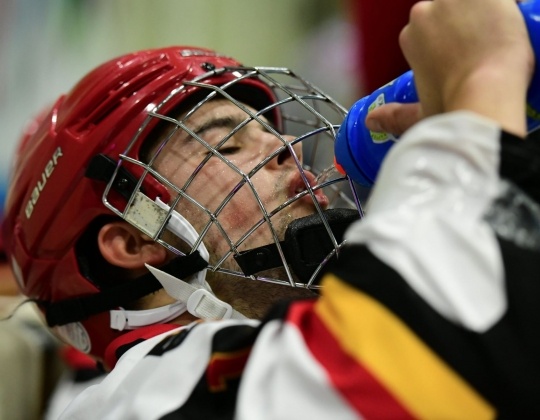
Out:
{"x": 51, "y": 203}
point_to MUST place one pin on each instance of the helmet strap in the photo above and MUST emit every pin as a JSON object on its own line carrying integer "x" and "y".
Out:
{"x": 183, "y": 229}
{"x": 122, "y": 319}
{"x": 200, "y": 301}
{"x": 80, "y": 308}
{"x": 310, "y": 242}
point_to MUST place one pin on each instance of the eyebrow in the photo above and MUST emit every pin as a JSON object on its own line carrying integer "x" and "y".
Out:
{"x": 230, "y": 122}
{"x": 227, "y": 122}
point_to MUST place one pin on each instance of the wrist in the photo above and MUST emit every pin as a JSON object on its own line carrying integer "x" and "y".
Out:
{"x": 493, "y": 92}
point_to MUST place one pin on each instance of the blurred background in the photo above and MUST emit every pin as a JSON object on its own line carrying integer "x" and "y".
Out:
{"x": 347, "y": 48}
{"x": 47, "y": 45}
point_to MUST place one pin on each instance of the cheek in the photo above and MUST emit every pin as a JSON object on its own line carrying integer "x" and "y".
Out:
{"x": 236, "y": 213}
{"x": 218, "y": 182}
{"x": 218, "y": 189}
{"x": 244, "y": 212}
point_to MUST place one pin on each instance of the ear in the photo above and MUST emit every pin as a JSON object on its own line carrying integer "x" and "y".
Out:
{"x": 123, "y": 245}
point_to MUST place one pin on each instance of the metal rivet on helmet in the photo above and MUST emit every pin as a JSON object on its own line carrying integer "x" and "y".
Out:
{"x": 208, "y": 66}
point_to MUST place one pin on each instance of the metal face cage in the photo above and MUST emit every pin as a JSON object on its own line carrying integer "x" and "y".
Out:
{"x": 290, "y": 106}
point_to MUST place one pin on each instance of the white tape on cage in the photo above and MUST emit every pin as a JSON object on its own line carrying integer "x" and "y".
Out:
{"x": 146, "y": 215}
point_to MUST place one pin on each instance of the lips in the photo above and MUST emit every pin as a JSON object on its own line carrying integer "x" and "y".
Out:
{"x": 297, "y": 186}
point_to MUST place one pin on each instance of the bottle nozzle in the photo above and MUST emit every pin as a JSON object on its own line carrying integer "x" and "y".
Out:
{"x": 338, "y": 167}
{"x": 326, "y": 174}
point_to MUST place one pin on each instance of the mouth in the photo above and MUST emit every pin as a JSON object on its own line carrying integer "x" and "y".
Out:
{"x": 298, "y": 187}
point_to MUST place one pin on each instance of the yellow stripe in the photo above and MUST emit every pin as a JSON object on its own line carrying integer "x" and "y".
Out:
{"x": 410, "y": 370}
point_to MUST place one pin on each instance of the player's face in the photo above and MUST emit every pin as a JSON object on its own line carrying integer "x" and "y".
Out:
{"x": 218, "y": 187}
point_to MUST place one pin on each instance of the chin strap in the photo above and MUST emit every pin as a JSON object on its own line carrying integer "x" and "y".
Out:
{"x": 307, "y": 245}
{"x": 122, "y": 319}
{"x": 200, "y": 302}
{"x": 184, "y": 230}
{"x": 81, "y": 307}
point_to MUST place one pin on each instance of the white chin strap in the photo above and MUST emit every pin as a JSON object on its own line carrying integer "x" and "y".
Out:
{"x": 122, "y": 319}
{"x": 200, "y": 301}
{"x": 196, "y": 296}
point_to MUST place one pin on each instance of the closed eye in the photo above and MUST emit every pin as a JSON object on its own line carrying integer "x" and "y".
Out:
{"x": 228, "y": 150}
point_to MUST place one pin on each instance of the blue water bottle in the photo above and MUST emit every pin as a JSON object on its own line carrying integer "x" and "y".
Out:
{"x": 360, "y": 152}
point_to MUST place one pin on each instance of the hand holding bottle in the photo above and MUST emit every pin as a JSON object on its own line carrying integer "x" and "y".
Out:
{"x": 466, "y": 54}
{"x": 394, "y": 117}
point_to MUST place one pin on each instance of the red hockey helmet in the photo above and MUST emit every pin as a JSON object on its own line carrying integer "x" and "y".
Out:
{"x": 57, "y": 189}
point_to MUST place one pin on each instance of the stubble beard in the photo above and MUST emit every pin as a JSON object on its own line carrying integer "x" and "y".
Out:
{"x": 253, "y": 297}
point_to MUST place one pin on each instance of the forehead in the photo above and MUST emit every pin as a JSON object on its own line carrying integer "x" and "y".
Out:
{"x": 216, "y": 108}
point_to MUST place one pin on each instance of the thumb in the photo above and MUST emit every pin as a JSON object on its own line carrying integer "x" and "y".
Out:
{"x": 394, "y": 118}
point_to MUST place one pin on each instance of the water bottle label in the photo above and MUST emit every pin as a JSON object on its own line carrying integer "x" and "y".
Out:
{"x": 534, "y": 117}
{"x": 375, "y": 136}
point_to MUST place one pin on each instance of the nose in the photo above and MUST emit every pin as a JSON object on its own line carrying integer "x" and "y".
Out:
{"x": 288, "y": 153}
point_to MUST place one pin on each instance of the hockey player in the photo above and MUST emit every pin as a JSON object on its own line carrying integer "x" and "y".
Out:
{"x": 163, "y": 189}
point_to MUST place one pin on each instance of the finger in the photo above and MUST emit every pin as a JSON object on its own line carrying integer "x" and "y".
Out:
{"x": 394, "y": 118}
